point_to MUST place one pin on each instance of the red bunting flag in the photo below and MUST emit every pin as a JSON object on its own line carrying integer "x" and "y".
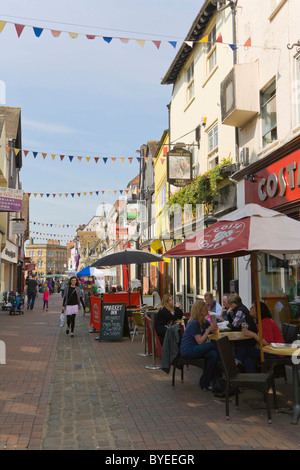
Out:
{"x": 96, "y": 159}
{"x": 130, "y": 159}
{"x": 157, "y": 44}
{"x": 62, "y": 157}
{"x": 25, "y": 152}
{"x": 19, "y": 29}
{"x": 219, "y": 38}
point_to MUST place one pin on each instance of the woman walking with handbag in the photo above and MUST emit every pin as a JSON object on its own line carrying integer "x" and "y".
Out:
{"x": 71, "y": 303}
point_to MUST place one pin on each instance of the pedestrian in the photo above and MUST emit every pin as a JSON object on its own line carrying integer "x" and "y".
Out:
{"x": 32, "y": 292}
{"x": 46, "y": 298}
{"x": 71, "y": 303}
{"x": 62, "y": 288}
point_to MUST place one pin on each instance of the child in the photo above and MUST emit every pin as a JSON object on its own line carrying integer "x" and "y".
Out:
{"x": 46, "y": 298}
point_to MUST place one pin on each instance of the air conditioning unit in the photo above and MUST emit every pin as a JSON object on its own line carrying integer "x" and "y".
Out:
{"x": 240, "y": 95}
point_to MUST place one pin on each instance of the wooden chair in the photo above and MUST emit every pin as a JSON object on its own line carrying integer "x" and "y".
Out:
{"x": 258, "y": 381}
{"x": 138, "y": 322}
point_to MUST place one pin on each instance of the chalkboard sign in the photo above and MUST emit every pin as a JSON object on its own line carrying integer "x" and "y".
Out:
{"x": 112, "y": 321}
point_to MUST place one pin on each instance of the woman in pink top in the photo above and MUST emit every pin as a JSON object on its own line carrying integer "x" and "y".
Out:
{"x": 46, "y": 298}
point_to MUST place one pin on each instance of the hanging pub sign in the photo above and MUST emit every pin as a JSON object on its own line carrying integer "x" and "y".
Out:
{"x": 179, "y": 167}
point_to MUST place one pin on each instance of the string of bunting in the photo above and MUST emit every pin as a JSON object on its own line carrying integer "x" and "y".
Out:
{"x": 91, "y": 193}
{"x": 95, "y": 224}
{"x": 56, "y": 33}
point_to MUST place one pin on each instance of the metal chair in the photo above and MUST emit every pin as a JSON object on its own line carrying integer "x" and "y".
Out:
{"x": 138, "y": 322}
{"x": 289, "y": 332}
{"x": 258, "y": 381}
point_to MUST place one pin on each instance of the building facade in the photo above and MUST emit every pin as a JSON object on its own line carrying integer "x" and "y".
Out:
{"x": 48, "y": 258}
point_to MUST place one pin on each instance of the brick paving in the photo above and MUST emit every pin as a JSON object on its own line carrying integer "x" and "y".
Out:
{"x": 63, "y": 393}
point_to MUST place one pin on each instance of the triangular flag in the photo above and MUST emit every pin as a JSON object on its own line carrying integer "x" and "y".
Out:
{"x": 28, "y": 194}
{"x": 73, "y": 35}
{"x": 105, "y": 159}
{"x": 78, "y": 194}
{"x": 35, "y": 154}
{"x": 102, "y": 192}
{"x": 130, "y": 159}
{"x": 138, "y": 159}
{"x": 189, "y": 43}
{"x": 79, "y": 158}
{"x": 121, "y": 191}
{"x": 84, "y": 194}
{"x": 122, "y": 160}
{"x": 157, "y": 44}
{"x": 47, "y": 195}
{"x": 38, "y": 31}
{"x": 44, "y": 155}
{"x": 88, "y": 159}
{"x": 115, "y": 191}
{"x": 113, "y": 160}
{"x": 162, "y": 160}
{"x": 16, "y": 151}
{"x": 66, "y": 194}
{"x": 108, "y": 191}
{"x": 60, "y": 195}
{"x": 97, "y": 192}
{"x": 53, "y": 155}
{"x": 106, "y": 39}
{"x": 2, "y": 24}
{"x": 35, "y": 194}
{"x": 42, "y": 194}
{"x": 72, "y": 194}
{"x": 233, "y": 47}
{"x": 173, "y": 43}
{"x": 62, "y": 157}
{"x": 53, "y": 195}
{"x": 96, "y": 159}
{"x": 248, "y": 43}
{"x": 90, "y": 36}
{"x": 141, "y": 42}
{"x": 71, "y": 158}
{"x": 124, "y": 40}
{"x": 219, "y": 38}
{"x": 19, "y": 29}
{"x": 55, "y": 33}
{"x": 25, "y": 152}
{"x": 91, "y": 193}
{"x": 204, "y": 39}
{"x": 7, "y": 149}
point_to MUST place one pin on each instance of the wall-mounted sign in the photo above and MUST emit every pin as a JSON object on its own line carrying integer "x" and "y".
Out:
{"x": 11, "y": 200}
{"x": 179, "y": 167}
{"x": 18, "y": 228}
{"x": 277, "y": 184}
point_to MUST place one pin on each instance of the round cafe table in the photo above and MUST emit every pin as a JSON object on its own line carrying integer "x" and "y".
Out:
{"x": 294, "y": 353}
{"x": 232, "y": 335}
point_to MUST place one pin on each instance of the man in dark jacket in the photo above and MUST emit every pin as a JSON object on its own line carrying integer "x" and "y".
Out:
{"x": 32, "y": 291}
{"x": 238, "y": 313}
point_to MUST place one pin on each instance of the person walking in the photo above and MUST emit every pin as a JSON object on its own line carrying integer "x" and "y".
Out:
{"x": 71, "y": 303}
{"x": 46, "y": 298}
{"x": 32, "y": 292}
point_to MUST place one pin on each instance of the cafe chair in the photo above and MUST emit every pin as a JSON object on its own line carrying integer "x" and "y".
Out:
{"x": 171, "y": 354}
{"x": 258, "y": 381}
{"x": 289, "y": 333}
{"x": 138, "y": 323}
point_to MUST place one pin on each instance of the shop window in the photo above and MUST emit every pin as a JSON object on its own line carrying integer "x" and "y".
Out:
{"x": 269, "y": 115}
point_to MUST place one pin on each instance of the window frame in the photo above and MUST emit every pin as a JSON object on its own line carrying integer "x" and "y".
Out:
{"x": 263, "y": 106}
{"x": 213, "y": 153}
{"x": 190, "y": 83}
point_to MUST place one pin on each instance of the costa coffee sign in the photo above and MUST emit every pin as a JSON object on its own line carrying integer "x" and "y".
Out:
{"x": 221, "y": 236}
{"x": 277, "y": 184}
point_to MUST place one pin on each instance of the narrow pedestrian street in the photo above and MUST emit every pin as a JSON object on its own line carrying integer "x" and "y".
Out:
{"x": 59, "y": 392}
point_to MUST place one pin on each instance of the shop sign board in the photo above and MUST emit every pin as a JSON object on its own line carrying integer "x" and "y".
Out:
{"x": 11, "y": 200}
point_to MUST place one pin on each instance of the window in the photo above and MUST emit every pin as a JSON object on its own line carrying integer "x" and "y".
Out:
{"x": 211, "y": 51}
{"x": 268, "y": 113}
{"x": 190, "y": 83}
{"x": 213, "y": 159}
{"x": 297, "y": 88}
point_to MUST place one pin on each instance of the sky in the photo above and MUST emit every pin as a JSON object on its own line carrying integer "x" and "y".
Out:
{"x": 85, "y": 97}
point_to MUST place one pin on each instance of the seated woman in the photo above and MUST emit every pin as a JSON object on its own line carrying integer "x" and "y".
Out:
{"x": 167, "y": 314}
{"x": 270, "y": 332}
{"x": 194, "y": 342}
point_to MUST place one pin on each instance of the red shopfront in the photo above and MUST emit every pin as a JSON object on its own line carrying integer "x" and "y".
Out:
{"x": 274, "y": 183}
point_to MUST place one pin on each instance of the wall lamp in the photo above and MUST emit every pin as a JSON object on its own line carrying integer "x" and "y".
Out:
{"x": 252, "y": 178}
{"x": 297, "y": 44}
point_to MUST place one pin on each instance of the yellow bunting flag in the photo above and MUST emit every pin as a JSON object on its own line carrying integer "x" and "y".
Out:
{"x": 205, "y": 39}
{"x": 87, "y": 159}
{"x": 122, "y": 160}
{"x": 73, "y": 35}
{"x": 2, "y": 24}
{"x": 53, "y": 156}
{"x": 141, "y": 42}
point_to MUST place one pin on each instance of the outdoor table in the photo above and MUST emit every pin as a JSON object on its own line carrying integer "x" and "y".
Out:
{"x": 294, "y": 364}
{"x": 232, "y": 336}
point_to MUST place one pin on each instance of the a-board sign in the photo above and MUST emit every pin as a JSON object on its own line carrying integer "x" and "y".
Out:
{"x": 112, "y": 321}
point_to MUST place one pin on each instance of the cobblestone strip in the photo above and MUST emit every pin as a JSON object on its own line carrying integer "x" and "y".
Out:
{"x": 82, "y": 412}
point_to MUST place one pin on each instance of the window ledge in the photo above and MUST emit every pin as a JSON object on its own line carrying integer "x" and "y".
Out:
{"x": 210, "y": 75}
{"x": 269, "y": 147}
{"x": 189, "y": 104}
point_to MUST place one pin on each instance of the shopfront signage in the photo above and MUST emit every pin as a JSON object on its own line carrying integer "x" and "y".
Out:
{"x": 11, "y": 200}
{"x": 276, "y": 184}
{"x": 179, "y": 167}
{"x": 10, "y": 253}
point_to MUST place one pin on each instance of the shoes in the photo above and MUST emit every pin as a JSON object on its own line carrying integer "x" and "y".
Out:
{"x": 72, "y": 335}
{"x": 67, "y": 331}
{"x": 28, "y": 307}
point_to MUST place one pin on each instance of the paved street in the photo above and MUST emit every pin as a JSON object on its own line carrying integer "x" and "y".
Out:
{"x": 62, "y": 393}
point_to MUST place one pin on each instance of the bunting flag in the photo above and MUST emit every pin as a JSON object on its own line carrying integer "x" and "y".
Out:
{"x": 84, "y": 193}
{"x": 56, "y": 33}
{"x": 219, "y": 38}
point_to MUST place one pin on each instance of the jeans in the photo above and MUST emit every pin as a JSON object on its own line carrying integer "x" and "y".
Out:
{"x": 31, "y": 299}
{"x": 249, "y": 356}
{"x": 210, "y": 353}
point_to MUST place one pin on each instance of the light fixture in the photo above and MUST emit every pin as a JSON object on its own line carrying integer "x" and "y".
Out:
{"x": 167, "y": 243}
{"x": 209, "y": 219}
{"x": 297, "y": 44}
